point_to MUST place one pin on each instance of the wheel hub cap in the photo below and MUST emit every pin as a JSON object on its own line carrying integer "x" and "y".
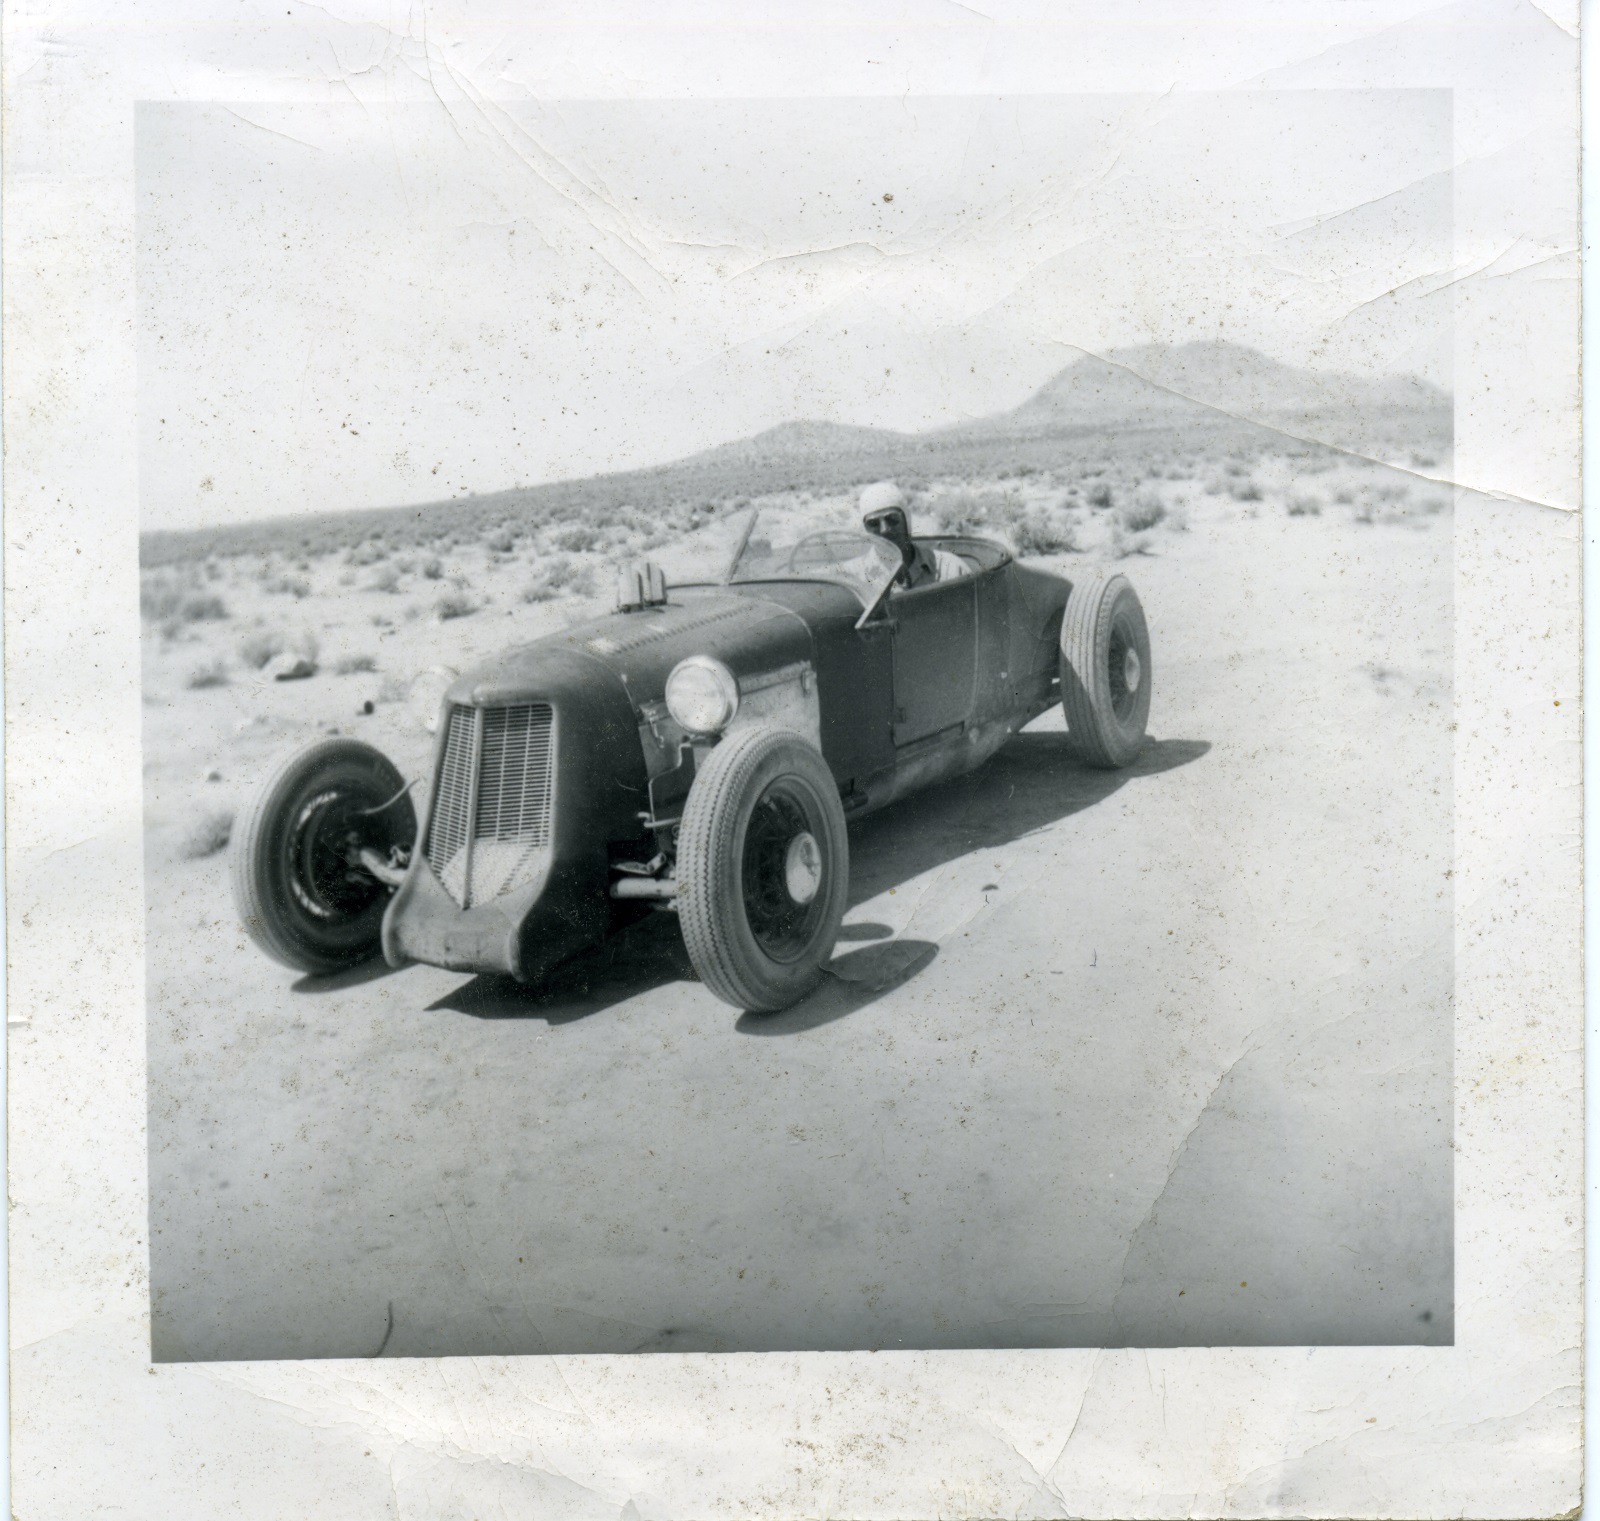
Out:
{"x": 802, "y": 868}
{"x": 1131, "y": 672}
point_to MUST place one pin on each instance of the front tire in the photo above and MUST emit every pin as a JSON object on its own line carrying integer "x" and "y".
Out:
{"x": 1105, "y": 671}
{"x": 298, "y": 893}
{"x": 763, "y": 869}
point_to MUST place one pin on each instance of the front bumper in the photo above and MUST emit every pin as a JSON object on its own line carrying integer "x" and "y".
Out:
{"x": 524, "y": 933}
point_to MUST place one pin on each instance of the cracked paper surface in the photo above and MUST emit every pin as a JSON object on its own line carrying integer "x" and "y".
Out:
{"x": 252, "y": 262}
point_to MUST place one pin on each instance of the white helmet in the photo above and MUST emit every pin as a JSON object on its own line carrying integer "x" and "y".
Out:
{"x": 881, "y": 495}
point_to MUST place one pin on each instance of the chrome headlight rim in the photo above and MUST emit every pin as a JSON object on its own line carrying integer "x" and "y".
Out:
{"x": 702, "y": 695}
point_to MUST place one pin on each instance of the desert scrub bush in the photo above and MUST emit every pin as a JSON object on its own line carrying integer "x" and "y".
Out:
{"x": 165, "y": 597}
{"x": 263, "y": 644}
{"x": 206, "y": 835}
{"x": 1344, "y": 496}
{"x": 214, "y": 673}
{"x": 457, "y": 603}
{"x": 550, "y": 580}
{"x": 1307, "y": 505}
{"x": 575, "y": 538}
{"x": 369, "y": 552}
{"x": 1245, "y": 491}
{"x": 1040, "y": 532}
{"x": 354, "y": 665}
{"x": 501, "y": 542}
{"x": 1142, "y": 513}
{"x": 1099, "y": 495}
{"x": 286, "y": 586}
{"x": 433, "y": 567}
{"x": 1433, "y": 505}
{"x": 621, "y": 515}
{"x": 1121, "y": 543}
{"x": 205, "y": 608}
{"x": 385, "y": 579}
{"x": 964, "y": 511}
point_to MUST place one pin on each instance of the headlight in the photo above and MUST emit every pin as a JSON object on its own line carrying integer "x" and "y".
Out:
{"x": 702, "y": 695}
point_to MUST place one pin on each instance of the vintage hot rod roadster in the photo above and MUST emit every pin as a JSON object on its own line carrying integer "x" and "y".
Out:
{"x": 700, "y": 750}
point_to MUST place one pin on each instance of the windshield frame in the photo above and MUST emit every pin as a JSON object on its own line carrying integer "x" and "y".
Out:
{"x": 871, "y": 602}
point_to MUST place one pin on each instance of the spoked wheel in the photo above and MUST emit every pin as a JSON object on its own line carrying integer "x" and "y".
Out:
{"x": 763, "y": 869}
{"x": 782, "y": 872}
{"x": 1105, "y": 671}
{"x": 298, "y": 882}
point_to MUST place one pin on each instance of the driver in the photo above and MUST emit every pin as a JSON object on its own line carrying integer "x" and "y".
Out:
{"x": 883, "y": 512}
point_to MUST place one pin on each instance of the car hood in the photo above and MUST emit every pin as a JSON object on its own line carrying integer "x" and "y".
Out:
{"x": 748, "y": 634}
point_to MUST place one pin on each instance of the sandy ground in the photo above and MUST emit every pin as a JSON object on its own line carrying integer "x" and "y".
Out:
{"x": 1155, "y": 1058}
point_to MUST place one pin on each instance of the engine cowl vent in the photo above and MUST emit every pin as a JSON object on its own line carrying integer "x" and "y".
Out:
{"x": 640, "y": 585}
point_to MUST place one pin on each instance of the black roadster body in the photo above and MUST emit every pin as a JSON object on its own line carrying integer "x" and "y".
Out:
{"x": 698, "y": 750}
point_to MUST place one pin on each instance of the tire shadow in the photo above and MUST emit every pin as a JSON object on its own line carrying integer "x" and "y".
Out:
{"x": 851, "y": 982}
{"x": 346, "y": 977}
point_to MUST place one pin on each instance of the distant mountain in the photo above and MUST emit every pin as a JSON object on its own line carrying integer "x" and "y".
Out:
{"x": 1091, "y": 393}
{"x": 1135, "y": 402}
{"x": 804, "y": 440}
{"x": 1240, "y": 380}
{"x": 1152, "y": 385}
{"x": 1158, "y": 384}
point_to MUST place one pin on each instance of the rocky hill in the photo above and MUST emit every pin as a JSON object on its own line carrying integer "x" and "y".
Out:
{"x": 1141, "y": 401}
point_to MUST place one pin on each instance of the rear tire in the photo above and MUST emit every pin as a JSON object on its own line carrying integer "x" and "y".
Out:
{"x": 297, "y": 895}
{"x": 763, "y": 869}
{"x": 1105, "y": 671}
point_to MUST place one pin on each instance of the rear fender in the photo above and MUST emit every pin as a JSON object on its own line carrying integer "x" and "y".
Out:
{"x": 1039, "y": 599}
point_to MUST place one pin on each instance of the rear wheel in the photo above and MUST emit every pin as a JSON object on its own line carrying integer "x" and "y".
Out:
{"x": 1105, "y": 671}
{"x": 299, "y": 888}
{"x": 763, "y": 868}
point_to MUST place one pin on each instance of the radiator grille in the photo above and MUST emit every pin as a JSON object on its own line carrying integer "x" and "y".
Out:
{"x": 452, "y": 801}
{"x": 508, "y": 752}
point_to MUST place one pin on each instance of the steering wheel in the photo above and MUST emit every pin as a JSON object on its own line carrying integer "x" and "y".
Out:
{"x": 824, "y": 550}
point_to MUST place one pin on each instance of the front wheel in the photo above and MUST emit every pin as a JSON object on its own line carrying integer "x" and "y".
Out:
{"x": 1105, "y": 671}
{"x": 298, "y": 884}
{"x": 763, "y": 869}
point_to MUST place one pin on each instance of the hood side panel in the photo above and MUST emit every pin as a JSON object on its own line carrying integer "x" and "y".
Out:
{"x": 750, "y": 635}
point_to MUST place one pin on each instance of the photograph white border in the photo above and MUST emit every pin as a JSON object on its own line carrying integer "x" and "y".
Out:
{"x": 1488, "y": 1427}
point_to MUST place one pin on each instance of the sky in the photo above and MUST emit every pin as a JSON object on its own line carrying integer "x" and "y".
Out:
{"x": 346, "y": 306}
